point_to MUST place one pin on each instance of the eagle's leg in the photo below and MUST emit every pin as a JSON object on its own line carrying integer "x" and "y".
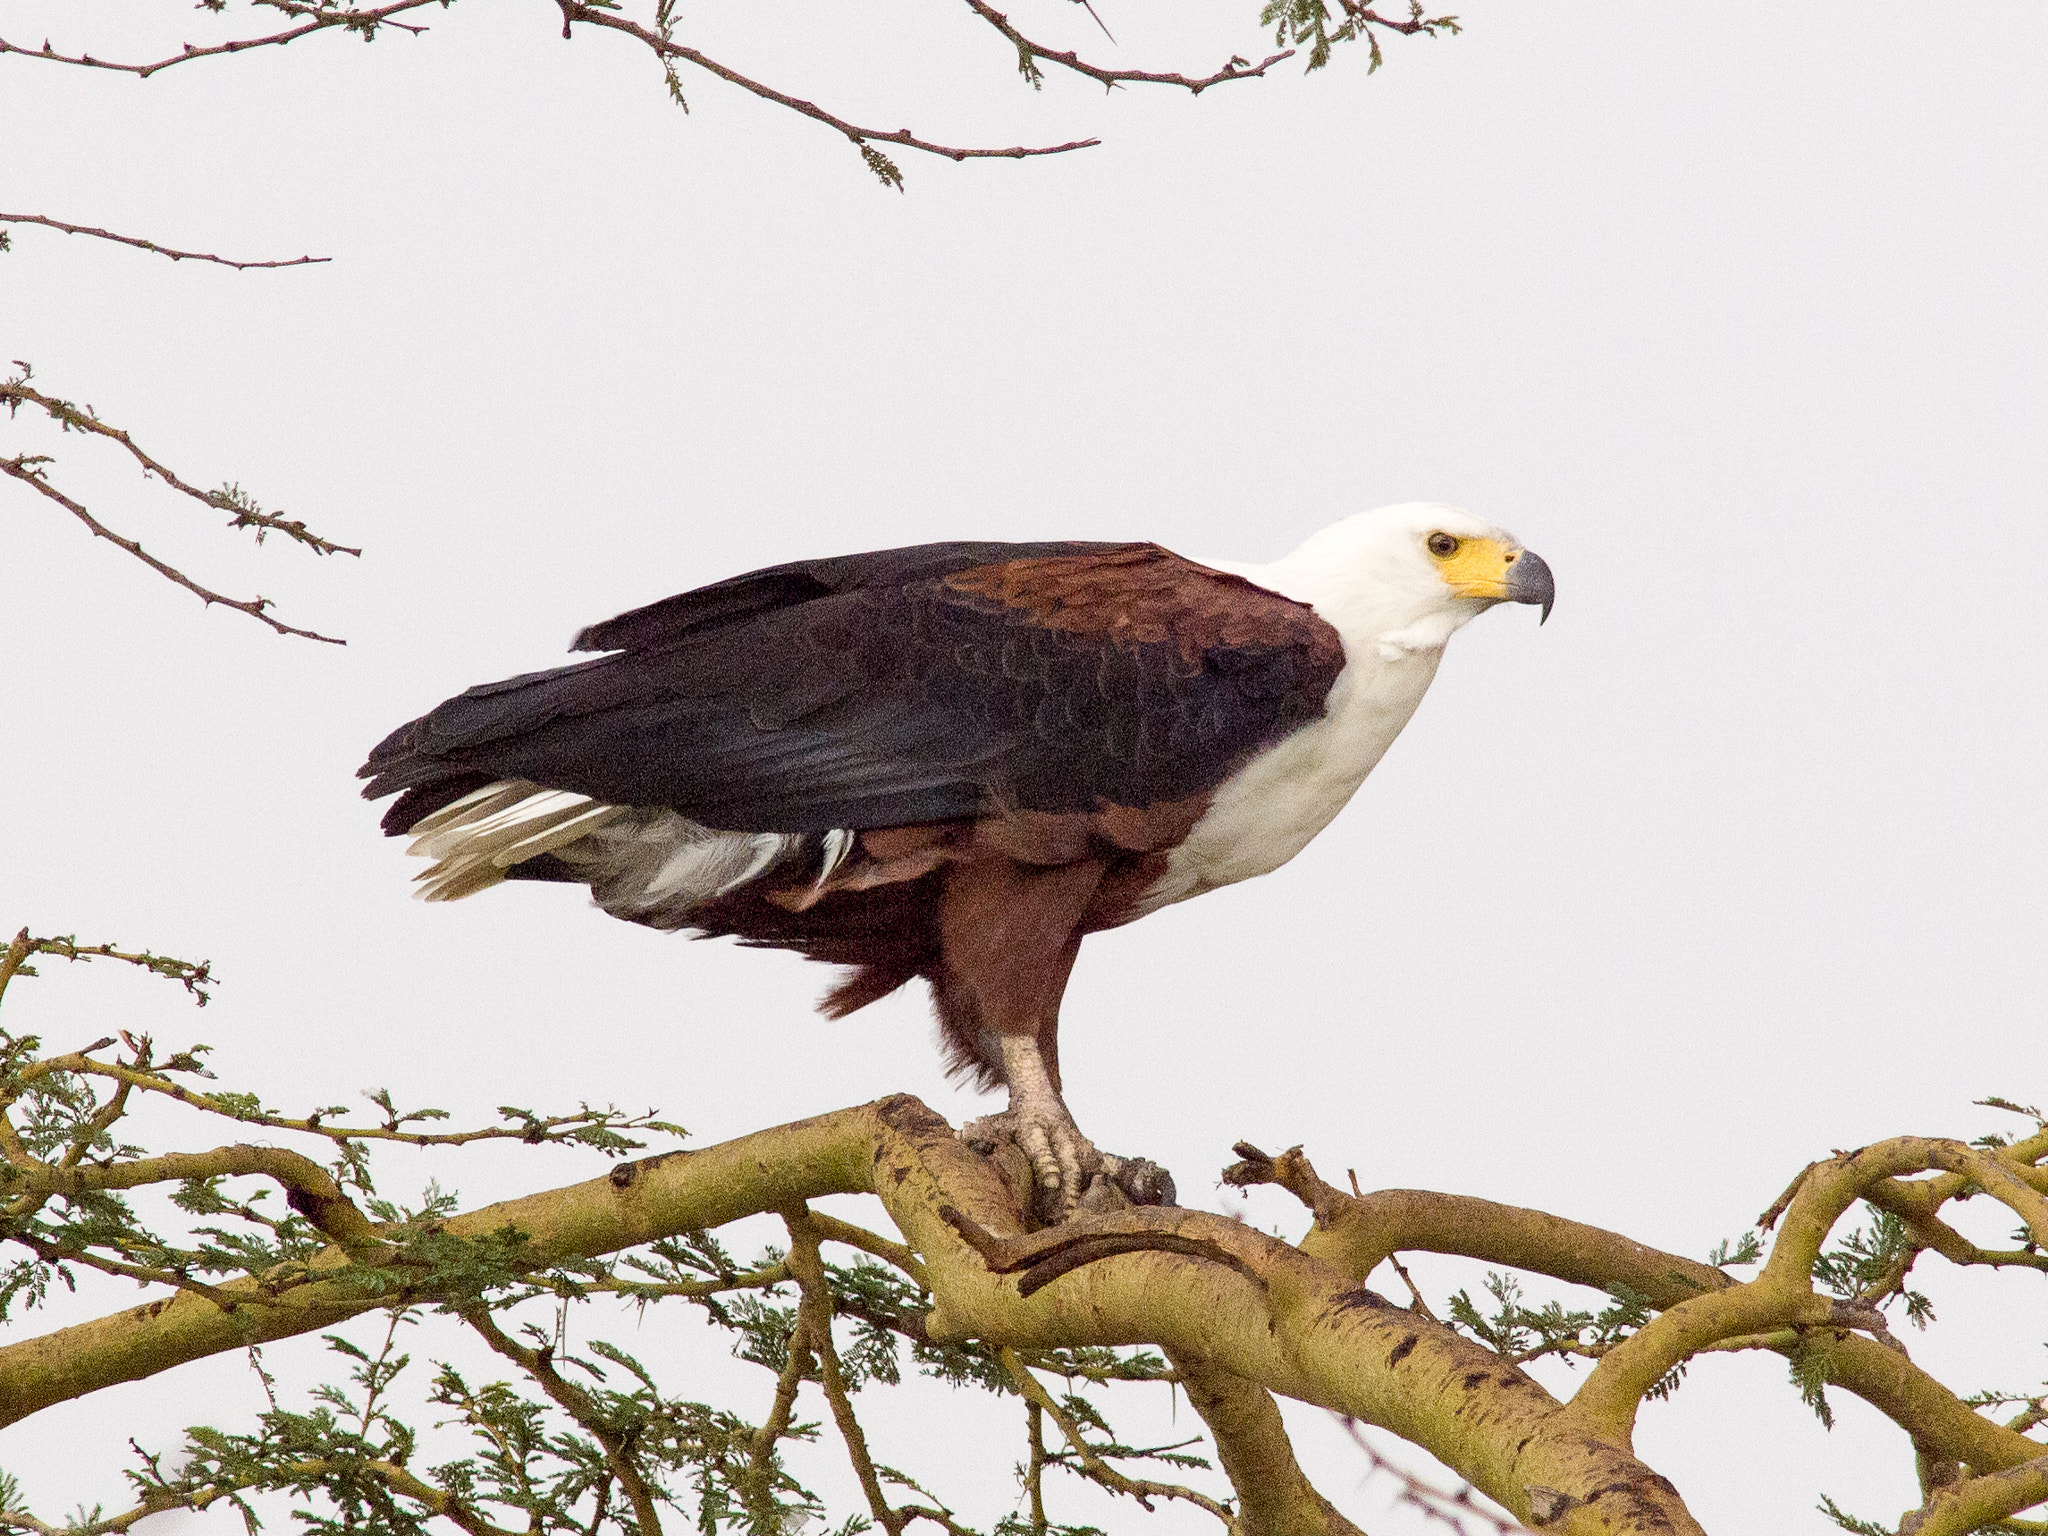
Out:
{"x": 1010, "y": 932}
{"x": 1070, "y": 1170}
{"x": 1062, "y": 1159}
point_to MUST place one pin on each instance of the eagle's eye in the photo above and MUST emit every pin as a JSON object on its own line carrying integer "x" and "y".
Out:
{"x": 1442, "y": 545}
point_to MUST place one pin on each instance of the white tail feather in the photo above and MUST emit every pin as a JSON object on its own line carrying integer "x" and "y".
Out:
{"x": 477, "y": 838}
{"x": 653, "y": 866}
{"x": 838, "y": 848}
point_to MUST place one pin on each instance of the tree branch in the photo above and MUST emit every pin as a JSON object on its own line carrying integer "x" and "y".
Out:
{"x": 1093, "y": 1467}
{"x": 1238, "y": 1301}
{"x": 151, "y": 245}
{"x": 814, "y": 1328}
{"x": 27, "y": 469}
{"x": 1783, "y": 1293}
{"x": 1028, "y": 52}
{"x": 310, "y": 1189}
{"x": 1980, "y": 1503}
{"x": 578, "y": 1404}
{"x": 322, "y": 16}
{"x": 549, "y": 1128}
{"x": 1274, "y": 1497}
{"x": 195, "y": 978}
{"x": 244, "y": 513}
{"x": 1358, "y": 1233}
{"x": 1304, "y": 1329}
{"x": 667, "y": 49}
{"x": 436, "y": 1500}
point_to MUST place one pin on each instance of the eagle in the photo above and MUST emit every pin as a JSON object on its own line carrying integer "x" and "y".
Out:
{"x": 955, "y": 761}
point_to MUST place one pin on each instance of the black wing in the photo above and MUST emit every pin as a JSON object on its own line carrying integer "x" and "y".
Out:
{"x": 909, "y": 685}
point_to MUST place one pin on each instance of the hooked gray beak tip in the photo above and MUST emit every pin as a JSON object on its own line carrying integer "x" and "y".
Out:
{"x": 1530, "y": 581}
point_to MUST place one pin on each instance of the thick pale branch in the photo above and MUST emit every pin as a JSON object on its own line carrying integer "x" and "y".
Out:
{"x": 1274, "y": 1497}
{"x": 1359, "y": 1232}
{"x": 1979, "y": 1503}
{"x": 1215, "y": 1291}
{"x": 831, "y": 1229}
{"x": 1304, "y": 1329}
{"x": 309, "y": 1188}
{"x": 1783, "y": 1293}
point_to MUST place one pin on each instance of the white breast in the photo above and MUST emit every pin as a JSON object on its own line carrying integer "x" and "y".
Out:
{"x": 1269, "y": 810}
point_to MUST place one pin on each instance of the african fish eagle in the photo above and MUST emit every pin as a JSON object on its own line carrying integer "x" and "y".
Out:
{"x": 955, "y": 760}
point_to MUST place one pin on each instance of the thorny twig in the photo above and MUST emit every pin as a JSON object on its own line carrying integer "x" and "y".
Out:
{"x": 195, "y": 978}
{"x": 534, "y": 1130}
{"x": 28, "y": 469}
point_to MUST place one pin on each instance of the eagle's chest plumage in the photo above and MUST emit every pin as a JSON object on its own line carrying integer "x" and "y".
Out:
{"x": 1273, "y": 806}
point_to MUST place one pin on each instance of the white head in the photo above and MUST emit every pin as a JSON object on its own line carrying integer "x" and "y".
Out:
{"x": 1408, "y": 577}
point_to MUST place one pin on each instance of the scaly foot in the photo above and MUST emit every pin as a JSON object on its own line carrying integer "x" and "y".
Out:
{"x": 1065, "y": 1165}
{"x": 1063, "y": 1161}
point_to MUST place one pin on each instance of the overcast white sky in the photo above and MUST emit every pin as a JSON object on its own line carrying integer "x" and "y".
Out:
{"x": 1736, "y": 318}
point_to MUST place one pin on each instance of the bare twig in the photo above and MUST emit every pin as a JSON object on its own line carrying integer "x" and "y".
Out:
{"x": 666, "y": 49}
{"x": 243, "y": 512}
{"x": 151, "y": 245}
{"x": 27, "y": 468}
{"x": 1029, "y": 52}
{"x": 32, "y": 470}
{"x": 365, "y": 22}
